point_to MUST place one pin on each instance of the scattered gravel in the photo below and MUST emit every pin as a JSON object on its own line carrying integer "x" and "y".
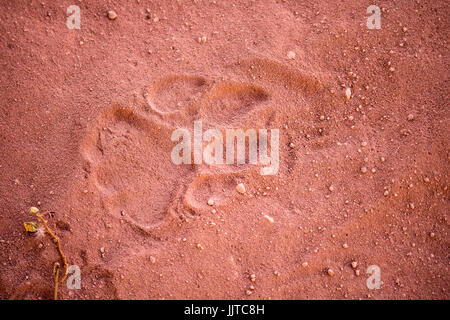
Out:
{"x": 202, "y": 39}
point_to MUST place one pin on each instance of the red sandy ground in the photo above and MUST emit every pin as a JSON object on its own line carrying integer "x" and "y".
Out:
{"x": 86, "y": 118}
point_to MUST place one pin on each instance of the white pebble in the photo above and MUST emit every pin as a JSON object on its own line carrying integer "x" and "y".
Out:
{"x": 348, "y": 93}
{"x": 291, "y": 55}
{"x": 268, "y": 218}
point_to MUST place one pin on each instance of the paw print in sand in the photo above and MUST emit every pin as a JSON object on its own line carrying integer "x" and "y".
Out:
{"x": 129, "y": 146}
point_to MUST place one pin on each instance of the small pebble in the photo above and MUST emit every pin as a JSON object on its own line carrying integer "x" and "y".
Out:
{"x": 152, "y": 259}
{"x": 432, "y": 235}
{"x": 305, "y": 264}
{"x": 210, "y": 202}
{"x": 331, "y": 188}
{"x": 348, "y": 93}
{"x": 345, "y": 246}
{"x": 112, "y": 15}
{"x": 410, "y": 117}
{"x": 330, "y": 272}
{"x": 268, "y": 218}
{"x": 354, "y": 264}
{"x": 240, "y": 188}
{"x": 252, "y": 277}
{"x": 363, "y": 170}
{"x": 291, "y": 55}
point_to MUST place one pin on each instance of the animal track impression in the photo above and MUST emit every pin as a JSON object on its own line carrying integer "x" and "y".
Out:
{"x": 128, "y": 148}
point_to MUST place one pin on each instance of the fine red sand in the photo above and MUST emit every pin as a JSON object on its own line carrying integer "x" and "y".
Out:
{"x": 87, "y": 116}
